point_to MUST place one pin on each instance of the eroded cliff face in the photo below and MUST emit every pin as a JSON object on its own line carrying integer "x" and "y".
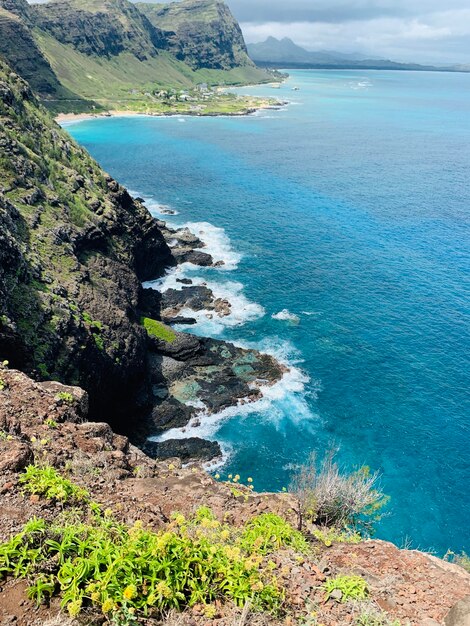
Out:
{"x": 75, "y": 250}
{"x": 77, "y": 247}
{"x": 100, "y": 28}
{"x": 19, "y": 48}
{"x": 202, "y": 33}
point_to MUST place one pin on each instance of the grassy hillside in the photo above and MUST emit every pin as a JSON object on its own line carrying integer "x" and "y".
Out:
{"x": 84, "y": 55}
{"x": 123, "y": 79}
{"x": 20, "y": 50}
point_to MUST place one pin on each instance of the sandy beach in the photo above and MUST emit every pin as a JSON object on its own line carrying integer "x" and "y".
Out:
{"x": 78, "y": 117}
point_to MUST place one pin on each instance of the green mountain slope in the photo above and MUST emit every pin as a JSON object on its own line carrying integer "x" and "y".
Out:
{"x": 19, "y": 48}
{"x": 103, "y": 28}
{"x": 203, "y": 33}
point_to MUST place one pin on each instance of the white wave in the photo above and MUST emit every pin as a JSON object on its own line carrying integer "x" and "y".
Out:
{"x": 209, "y": 322}
{"x": 361, "y": 84}
{"x": 285, "y": 400}
{"x": 309, "y": 313}
{"x": 217, "y": 244}
{"x": 286, "y": 316}
{"x": 155, "y": 208}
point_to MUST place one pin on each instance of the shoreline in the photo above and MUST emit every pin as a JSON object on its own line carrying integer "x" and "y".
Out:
{"x": 80, "y": 117}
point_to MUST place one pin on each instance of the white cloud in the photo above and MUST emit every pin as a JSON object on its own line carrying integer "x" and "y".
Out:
{"x": 439, "y": 37}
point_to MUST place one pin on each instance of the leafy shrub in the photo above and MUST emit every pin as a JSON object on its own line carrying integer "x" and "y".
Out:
{"x": 65, "y": 396}
{"x": 157, "y": 330}
{"x": 351, "y": 587}
{"x": 47, "y": 482}
{"x": 269, "y": 532}
{"x": 2, "y": 384}
{"x": 328, "y": 497}
{"x": 461, "y": 559}
{"x": 370, "y": 616}
{"x": 126, "y": 571}
{"x": 329, "y": 536}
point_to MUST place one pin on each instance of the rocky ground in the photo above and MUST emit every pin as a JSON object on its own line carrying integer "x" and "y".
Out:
{"x": 45, "y": 422}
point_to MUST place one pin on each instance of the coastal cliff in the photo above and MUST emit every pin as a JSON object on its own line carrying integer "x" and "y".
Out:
{"x": 75, "y": 250}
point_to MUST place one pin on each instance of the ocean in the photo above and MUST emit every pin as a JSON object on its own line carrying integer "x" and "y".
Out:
{"x": 343, "y": 221}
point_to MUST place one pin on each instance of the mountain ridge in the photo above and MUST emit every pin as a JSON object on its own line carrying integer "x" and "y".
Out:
{"x": 94, "y": 54}
{"x": 281, "y": 53}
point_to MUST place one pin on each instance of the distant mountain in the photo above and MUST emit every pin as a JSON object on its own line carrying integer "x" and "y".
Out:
{"x": 285, "y": 53}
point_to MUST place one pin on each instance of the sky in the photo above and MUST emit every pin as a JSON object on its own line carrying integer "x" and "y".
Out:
{"x": 425, "y": 31}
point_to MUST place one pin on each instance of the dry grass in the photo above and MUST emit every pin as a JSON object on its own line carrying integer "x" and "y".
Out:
{"x": 329, "y": 497}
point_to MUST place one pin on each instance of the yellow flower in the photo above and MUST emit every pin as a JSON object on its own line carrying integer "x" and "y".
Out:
{"x": 163, "y": 590}
{"x": 171, "y": 467}
{"x": 74, "y": 607}
{"x": 225, "y": 534}
{"x": 33, "y": 439}
{"x": 107, "y": 606}
{"x": 258, "y": 586}
{"x": 210, "y": 611}
{"x": 151, "y": 599}
{"x": 108, "y": 512}
{"x": 180, "y": 519}
{"x": 44, "y": 442}
{"x": 249, "y": 479}
{"x": 129, "y": 592}
{"x": 217, "y": 476}
{"x": 230, "y": 476}
{"x": 95, "y": 596}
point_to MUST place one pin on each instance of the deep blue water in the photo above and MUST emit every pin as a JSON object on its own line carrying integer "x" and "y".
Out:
{"x": 350, "y": 209}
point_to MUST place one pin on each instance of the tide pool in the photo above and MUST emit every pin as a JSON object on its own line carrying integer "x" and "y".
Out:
{"x": 348, "y": 209}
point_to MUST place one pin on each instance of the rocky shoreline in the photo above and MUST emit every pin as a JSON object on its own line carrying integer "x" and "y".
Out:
{"x": 196, "y": 376}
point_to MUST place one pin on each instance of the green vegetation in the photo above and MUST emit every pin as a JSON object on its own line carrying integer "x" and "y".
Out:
{"x": 119, "y": 569}
{"x": 462, "y": 559}
{"x": 329, "y": 536}
{"x": 65, "y": 396}
{"x": 47, "y": 482}
{"x": 3, "y": 384}
{"x": 351, "y": 587}
{"x": 157, "y": 330}
{"x": 371, "y": 616}
{"x": 327, "y": 497}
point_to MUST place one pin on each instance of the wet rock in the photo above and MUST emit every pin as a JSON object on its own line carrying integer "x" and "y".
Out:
{"x": 188, "y": 255}
{"x": 185, "y": 449}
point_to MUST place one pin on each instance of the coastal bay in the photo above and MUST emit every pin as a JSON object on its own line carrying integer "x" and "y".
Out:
{"x": 328, "y": 210}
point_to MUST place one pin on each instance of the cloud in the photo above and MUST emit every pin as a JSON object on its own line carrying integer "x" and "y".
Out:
{"x": 433, "y": 37}
{"x": 402, "y": 30}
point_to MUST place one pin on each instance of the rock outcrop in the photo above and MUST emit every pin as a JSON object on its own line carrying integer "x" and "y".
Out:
{"x": 75, "y": 250}
{"x": 103, "y": 29}
{"x": 21, "y": 51}
{"x": 202, "y": 33}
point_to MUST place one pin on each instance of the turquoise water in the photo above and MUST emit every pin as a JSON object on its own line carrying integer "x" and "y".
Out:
{"x": 349, "y": 209}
